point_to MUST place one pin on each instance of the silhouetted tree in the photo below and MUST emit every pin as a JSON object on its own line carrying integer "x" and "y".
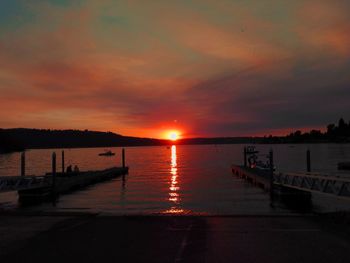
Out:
{"x": 330, "y": 129}
{"x": 342, "y": 128}
{"x": 297, "y": 133}
{"x": 341, "y": 124}
{"x": 315, "y": 133}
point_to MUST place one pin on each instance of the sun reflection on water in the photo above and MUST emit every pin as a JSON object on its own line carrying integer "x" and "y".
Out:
{"x": 174, "y": 196}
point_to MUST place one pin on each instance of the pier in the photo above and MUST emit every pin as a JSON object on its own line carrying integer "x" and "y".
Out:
{"x": 38, "y": 188}
{"x": 308, "y": 182}
{"x": 17, "y": 183}
{"x": 300, "y": 184}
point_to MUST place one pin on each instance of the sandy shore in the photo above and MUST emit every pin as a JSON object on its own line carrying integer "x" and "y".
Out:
{"x": 87, "y": 237}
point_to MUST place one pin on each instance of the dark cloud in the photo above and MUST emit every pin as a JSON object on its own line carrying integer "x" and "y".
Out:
{"x": 249, "y": 102}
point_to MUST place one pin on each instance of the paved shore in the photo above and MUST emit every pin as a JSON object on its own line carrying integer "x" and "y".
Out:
{"x": 96, "y": 238}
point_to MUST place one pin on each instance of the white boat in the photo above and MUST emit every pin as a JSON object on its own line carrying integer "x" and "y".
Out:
{"x": 107, "y": 153}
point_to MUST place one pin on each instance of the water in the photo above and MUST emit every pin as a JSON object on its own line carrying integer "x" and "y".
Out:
{"x": 179, "y": 179}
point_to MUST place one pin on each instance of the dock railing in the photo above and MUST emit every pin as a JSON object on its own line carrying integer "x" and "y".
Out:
{"x": 304, "y": 181}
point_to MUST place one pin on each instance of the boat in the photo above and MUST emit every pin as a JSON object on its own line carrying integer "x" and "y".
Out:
{"x": 107, "y": 153}
{"x": 264, "y": 166}
{"x": 251, "y": 150}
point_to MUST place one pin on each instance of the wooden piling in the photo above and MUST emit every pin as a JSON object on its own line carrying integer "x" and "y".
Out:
{"x": 308, "y": 161}
{"x": 53, "y": 176}
{"x": 23, "y": 164}
{"x": 271, "y": 171}
{"x": 123, "y": 158}
{"x": 245, "y": 156}
{"x": 63, "y": 162}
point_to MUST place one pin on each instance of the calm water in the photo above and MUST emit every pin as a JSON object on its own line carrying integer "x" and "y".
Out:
{"x": 178, "y": 179}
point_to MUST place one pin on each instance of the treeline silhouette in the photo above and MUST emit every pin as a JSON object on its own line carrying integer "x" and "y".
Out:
{"x": 21, "y": 138}
{"x": 334, "y": 133}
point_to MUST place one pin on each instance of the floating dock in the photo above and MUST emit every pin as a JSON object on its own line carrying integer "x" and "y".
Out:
{"x": 257, "y": 177}
{"x": 294, "y": 198}
{"x": 302, "y": 182}
{"x": 66, "y": 182}
{"x": 49, "y": 186}
{"x": 290, "y": 184}
{"x": 295, "y": 189}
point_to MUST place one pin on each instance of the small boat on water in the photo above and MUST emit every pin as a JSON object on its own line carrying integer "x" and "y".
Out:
{"x": 107, "y": 153}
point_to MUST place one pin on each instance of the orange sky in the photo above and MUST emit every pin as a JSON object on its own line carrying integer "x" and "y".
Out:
{"x": 204, "y": 68}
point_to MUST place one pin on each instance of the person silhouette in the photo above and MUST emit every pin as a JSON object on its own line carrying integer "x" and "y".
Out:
{"x": 76, "y": 169}
{"x": 69, "y": 169}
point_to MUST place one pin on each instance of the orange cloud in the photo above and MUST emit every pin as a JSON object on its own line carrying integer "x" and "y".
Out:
{"x": 325, "y": 26}
{"x": 217, "y": 68}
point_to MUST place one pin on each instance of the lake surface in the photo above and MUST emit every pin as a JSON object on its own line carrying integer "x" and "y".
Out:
{"x": 183, "y": 179}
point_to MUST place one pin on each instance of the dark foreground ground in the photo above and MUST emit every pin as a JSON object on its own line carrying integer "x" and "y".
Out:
{"x": 94, "y": 238}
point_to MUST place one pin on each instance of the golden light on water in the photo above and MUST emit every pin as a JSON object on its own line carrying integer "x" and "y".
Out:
{"x": 174, "y": 196}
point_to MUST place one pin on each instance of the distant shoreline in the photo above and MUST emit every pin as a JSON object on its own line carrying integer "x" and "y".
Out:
{"x": 177, "y": 144}
{"x": 19, "y": 139}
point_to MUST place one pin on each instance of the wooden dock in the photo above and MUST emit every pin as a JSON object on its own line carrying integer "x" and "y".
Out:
{"x": 289, "y": 184}
{"x": 49, "y": 186}
{"x": 295, "y": 183}
{"x": 66, "y": 182}
{"x": 16, "y": 183}
{"x": 257, "y": 177}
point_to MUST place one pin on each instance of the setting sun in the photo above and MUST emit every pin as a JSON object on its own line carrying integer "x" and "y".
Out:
{"x": 173, "y": 135}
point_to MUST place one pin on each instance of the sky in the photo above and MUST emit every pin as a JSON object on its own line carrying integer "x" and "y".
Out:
{"x": 204, "y": 68}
